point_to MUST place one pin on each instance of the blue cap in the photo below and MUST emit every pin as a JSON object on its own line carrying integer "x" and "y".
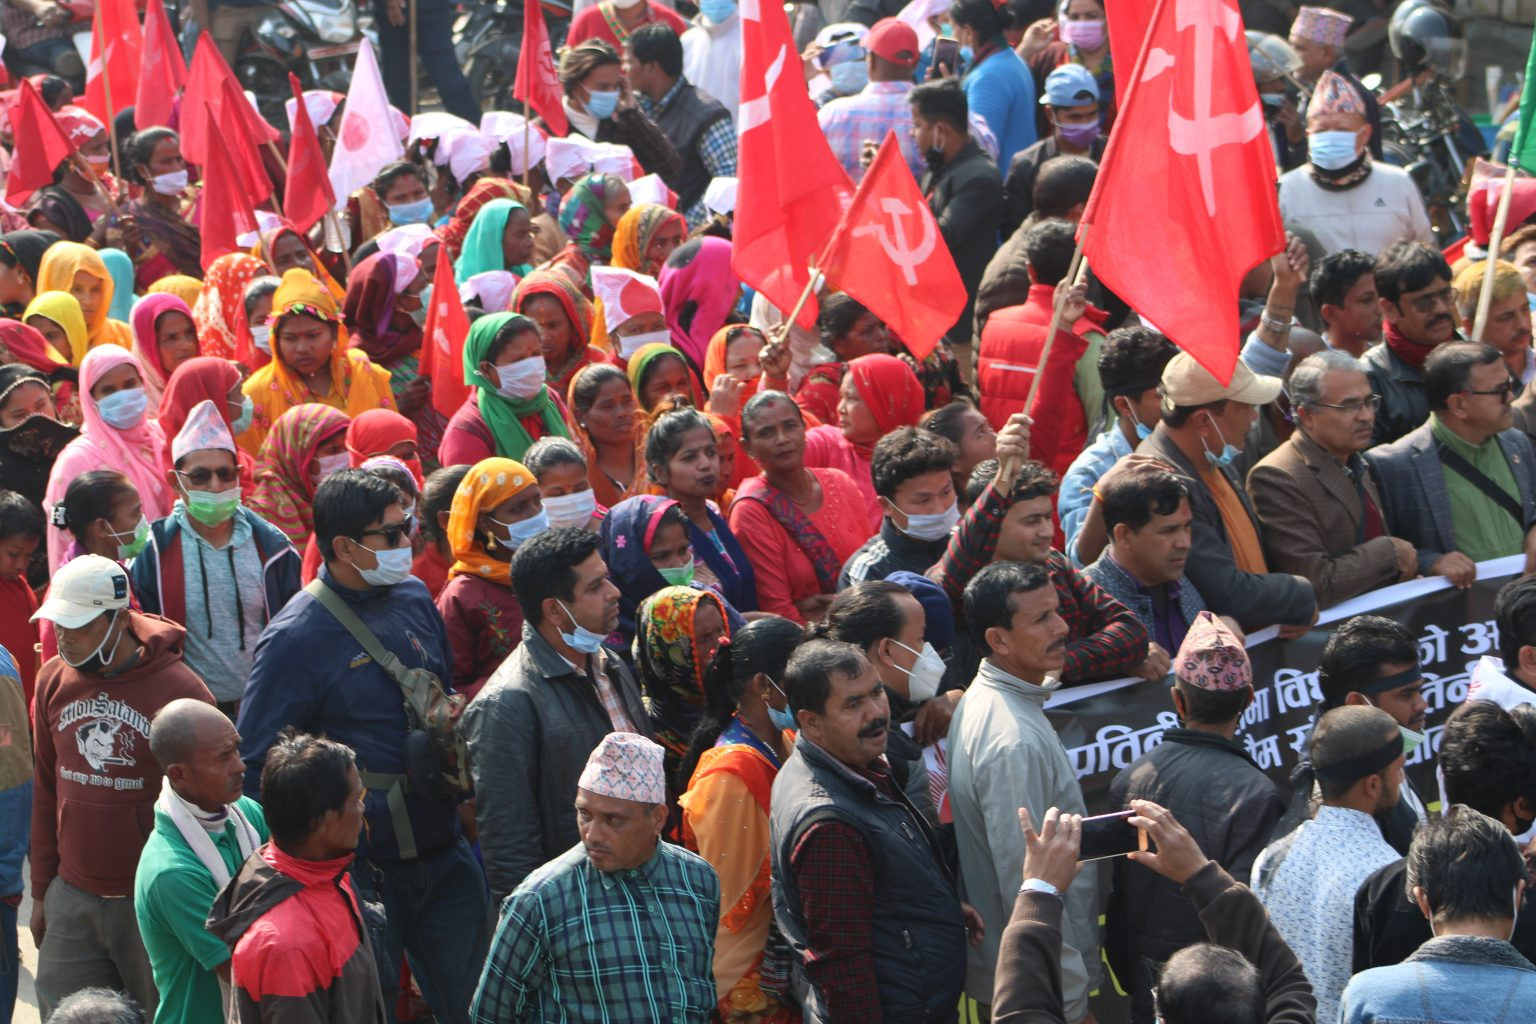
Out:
{"x": 1070, "y": 85}
{"x": 939, "y": 612}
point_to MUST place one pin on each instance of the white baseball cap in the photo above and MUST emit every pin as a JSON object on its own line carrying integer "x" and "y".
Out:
{"x": 82, "y": 590}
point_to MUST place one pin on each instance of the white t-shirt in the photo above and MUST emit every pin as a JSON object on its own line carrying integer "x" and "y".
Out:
{"x": 1383, "y": 209}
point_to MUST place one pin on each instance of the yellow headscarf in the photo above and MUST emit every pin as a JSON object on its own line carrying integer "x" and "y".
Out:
{"x": 488, "y": 483}
{"x": 56, "y": 273}
{"x": 62, "y": 309}
{"x": 356, "y": 384}
{"x": 185, "y": 288}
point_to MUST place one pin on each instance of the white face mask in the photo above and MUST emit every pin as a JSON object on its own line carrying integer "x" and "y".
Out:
{"x": 261, "y": 336}
{"x": 571, "y": 509}
{"x": 633, "y": 343}
{"x": 935, "y": 526}
{"x": 331, "y": 464}
{"x": 170, "y": 184}
{"x": 521, "y": 380}
{"x": 924, "y": 675}
{"x": 394, "y": 567}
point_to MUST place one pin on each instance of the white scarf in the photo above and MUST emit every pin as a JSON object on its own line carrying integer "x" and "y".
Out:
{"x": 196, "y": 836}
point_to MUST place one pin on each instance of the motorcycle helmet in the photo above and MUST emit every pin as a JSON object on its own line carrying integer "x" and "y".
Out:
{"x": 1272, "y": 57}
{"x": 1426, "y": 37}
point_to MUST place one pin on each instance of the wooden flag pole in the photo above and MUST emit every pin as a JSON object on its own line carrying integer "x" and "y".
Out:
{"x": 277, "y": 201}
{"x": 527, "y": 131}
{"x": 1076, "y": 272}
{"x": 1485, "y": 296}
{"x": 106, "y": 84}
{"x": 415, "y": 70}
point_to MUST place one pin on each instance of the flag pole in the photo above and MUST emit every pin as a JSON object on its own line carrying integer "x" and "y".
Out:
{"x": 415, "y": 71}
{"x": 1485, "y": 296}
{"x": 1076, "y": 272}
{"x": 106, "y": 84}
{"x": 527, "y": 130}
{"x": 277, "y": 202}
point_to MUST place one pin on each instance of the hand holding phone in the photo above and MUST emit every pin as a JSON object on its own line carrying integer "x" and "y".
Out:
{"x": 1177, "y": 856}
{"x": 946, "y": 58}
{"x": 1111, "y": 835}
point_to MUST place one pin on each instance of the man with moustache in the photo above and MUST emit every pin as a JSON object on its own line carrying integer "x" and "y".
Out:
{"x": 1004, "y": 755}
{"x": 1413, "y": 285}
{"x": 860, "y": 889}
{"x": 1508, "y": 326}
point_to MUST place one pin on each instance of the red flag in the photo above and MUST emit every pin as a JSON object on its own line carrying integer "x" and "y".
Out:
{"x": 888, "y": 254}
{"x": 163, "y": 73}
{"x": 1127, "y": 22}
{"x": 116, "y": 44}
{"x": 242, "y": 147}
{"x": 536, "y": 83}
{"x": 205, "y": 86}
{"x": 442, "y": 347}
{"x": 793, "y": 190}
{"x": 1192, "y": 126}
{"x": 226, "y": 210}
{"x": 47, "y": 147}
{"x": 309, "y": 195}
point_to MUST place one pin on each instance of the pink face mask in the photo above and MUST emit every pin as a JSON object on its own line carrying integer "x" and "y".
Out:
{"x": 1085, "y": 35}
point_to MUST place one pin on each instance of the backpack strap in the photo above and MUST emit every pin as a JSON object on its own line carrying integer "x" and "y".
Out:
{"x": 360, "y": 632}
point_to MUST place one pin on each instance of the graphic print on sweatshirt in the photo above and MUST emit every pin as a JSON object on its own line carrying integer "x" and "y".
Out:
{"x": 104, "y": 731}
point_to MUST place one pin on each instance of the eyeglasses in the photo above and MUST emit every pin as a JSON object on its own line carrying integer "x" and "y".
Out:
{"x": 1503, "y": 391}
{"x": 1371, "y": 402}
{"x": 1426, "y": 303}
{"x": 394, "y": 531}
{"x": 202, "y": 477}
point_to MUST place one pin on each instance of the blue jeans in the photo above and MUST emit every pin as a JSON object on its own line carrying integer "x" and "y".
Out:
{"x": 10, "y": 961}
{"x": 15, "y": 826}
{"x": 434, "y": 48}
{"x": 435, "y": 908}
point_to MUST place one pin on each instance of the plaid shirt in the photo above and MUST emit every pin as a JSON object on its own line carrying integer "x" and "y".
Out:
{"x": 716, "y": 145}
{"x": 880, "y": 107}
{"x": 1106, "y": 639}
{"x": 576, "y": 943}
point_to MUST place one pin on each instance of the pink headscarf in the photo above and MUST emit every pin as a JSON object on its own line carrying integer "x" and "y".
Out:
{"x": 136, "y": 453}
{"x": 707, "y": 281}
{"x": 146, "y": 312}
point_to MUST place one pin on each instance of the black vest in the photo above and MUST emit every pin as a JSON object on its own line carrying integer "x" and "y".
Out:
{"x": 919, "y": 942}
{"x": 683, "y": 121}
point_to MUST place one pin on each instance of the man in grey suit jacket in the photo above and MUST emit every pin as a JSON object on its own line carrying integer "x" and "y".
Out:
{"x": 1203, "y": 428}
{"x": 1462, "y": 487}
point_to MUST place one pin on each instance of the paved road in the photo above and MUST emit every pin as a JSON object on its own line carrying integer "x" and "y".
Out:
{"x": 26, "y": 1000}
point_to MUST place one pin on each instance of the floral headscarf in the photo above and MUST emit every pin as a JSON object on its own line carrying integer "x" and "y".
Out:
{"x": 219, "y": 311}
{"x": 488, "y": 483}
{"x": 57, "y": 274}
{"x": 146, "y": 348}
{"x": 284, "y": 495}
{"x": 482, "y": 249}
{"x": 582, "y": 217}
{"x": 482, "y": 192}
{"x": 633, "y": 234}
{"x": 268, "y": 243}
{"x": 577, "y": 310}
{"x": 668, "y": 662}
{"x": 64, "y": 310}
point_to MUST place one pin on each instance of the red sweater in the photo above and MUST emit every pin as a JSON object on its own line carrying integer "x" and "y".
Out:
{"x": 17, "y": 634}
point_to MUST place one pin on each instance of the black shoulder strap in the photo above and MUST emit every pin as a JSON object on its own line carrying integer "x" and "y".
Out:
{"x": 1498, "y": 495}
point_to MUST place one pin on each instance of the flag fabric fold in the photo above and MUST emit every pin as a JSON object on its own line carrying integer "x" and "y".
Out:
{"x": 367, "y": 140}
{"x": 225, "y": 206}
{"x": 793, "y": 189}
{"x": 1523, "y": 152}
{"x": 1126, "y": 22}
{"x": 442, "y": 345}
{"x": 887, "y": 253}
{"x": 211, "y": 83}
{"x": 33, "y": 165}
{"x": 117, "y": 45}
{"x": 162, "y": 73}
{"x": 536, "y": 83}
{"x": 308, "y": 196}
{"x": 1188, "y": 169}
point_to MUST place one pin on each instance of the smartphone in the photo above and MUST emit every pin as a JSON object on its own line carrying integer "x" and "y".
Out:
{"x": 1110, "y": 835}
{"x": 947, "y": 53}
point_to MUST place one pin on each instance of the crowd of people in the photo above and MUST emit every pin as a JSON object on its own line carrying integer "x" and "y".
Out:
{"x": 694, "y": 665}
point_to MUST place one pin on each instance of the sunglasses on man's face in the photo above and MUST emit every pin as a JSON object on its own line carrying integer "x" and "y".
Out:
{"x": 394, "y": 531}
{"x": 202, "y": 477}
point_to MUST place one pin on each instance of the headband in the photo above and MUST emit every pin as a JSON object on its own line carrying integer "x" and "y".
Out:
{"x": 1364, "y": 765}
{"x": 1412, "y": 674}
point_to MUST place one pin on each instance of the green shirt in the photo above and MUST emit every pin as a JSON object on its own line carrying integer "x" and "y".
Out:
{"x": 1090, "y": 390}
{"x": 172, "y": 894}
{"x": 1483, "y": 529}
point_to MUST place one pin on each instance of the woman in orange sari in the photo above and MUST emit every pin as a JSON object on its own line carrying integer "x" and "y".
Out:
{"x": 734, "y": 755}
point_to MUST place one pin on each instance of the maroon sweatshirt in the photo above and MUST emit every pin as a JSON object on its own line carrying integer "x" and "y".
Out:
{"x": 93, "y": 805}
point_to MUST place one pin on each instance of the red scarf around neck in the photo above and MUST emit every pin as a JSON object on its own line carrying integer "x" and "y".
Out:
{"x": 1410, "y": 352}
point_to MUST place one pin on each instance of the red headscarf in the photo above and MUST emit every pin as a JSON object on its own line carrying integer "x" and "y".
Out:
{"x": 200, "y": 379}
{"x": 373, "y": 288}
{"x": 22, "y": 344}
{"x": 482, "y": 192}
{"x": 219, "y": 311}
{"x": 889, "y": 389}
{"x": 375, "y": 431}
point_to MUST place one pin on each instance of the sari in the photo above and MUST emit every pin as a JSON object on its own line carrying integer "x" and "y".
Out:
{"x": 609, "y": 491}
{"x": 643, "y": 358}
{"x": 584, "y": 222}
{"x": 708, "y": 286}
{"x": 180, "y": 244}
{"x": 356, "y": 384}
{"x": 219, "y": 311}
{"x": 715, "y": 358}
{"x": 891, "y": 392}
{"x": 577, "y": 310}
{"x": 135, "y": 452}
{"x": 482, "y": 249}
{"x": 268, "y": 240}
{"x": 374, "y": 322}
{"x": 669, "y": 666}
{"x": 64, "y": 310}
{"x": 202, "y": 379}
{"x": 146, "y": 349}
{"x": 481, "y": 192}
{"x": 633, "y": 235}
{"x": 22, "y": 344}
{"x": 57, "y": 273}
{"x": 284, "y": 494}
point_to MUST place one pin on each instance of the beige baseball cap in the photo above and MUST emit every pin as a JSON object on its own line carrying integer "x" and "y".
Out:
{"x": 83, "y": 589}
{"x": 1187, "y": 383}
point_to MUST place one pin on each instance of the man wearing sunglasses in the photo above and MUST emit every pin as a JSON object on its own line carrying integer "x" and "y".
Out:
{"x": 313, "y": 672}
{"x": 1419, "y": 309}
{"x": 213, "y": 564}
{"x": 1462, "y": 487}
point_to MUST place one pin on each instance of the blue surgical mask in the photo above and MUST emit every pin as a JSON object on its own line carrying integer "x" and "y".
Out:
{"x": 967, "y": 54}
{"x": 717, "y": 11}
{"x": 848, "y": 77}
{"x": 247, "y": 413}
{"x": 1142, "y": 431}
{"x": 426, "y": 298}
{"x": 419, "y": 212}
{"x": 394, "y": 566}
{"x": 583, "y": 640}
{"x": 601, "y": 105}
{"x": 522, "y": 531}
{"x": 124, "y": 410}
{"x": 782, "y": 718}
{"x": 1332, "y": 151}
{"x": 1228, "y": 454}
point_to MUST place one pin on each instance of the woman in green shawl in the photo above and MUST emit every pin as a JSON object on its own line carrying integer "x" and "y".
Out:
{"x": 500, "y": 238}
{"x": 511, "y": 408}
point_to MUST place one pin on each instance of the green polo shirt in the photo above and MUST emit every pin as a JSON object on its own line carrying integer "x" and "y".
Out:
{"x": 1483, "y": 529}
{"x": 172, "y": 894}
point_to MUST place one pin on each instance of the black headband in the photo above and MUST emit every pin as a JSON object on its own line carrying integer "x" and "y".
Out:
{"x": 1364, "y": 765}
{"x": 1412, "y": 674}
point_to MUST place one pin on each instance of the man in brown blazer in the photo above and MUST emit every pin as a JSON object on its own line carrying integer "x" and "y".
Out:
{"x": 1321, "y": 512}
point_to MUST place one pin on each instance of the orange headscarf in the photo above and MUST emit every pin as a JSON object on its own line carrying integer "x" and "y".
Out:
{"x": 488, "y": 483}
{"x": 634, "y": 232}
{"x": 715, "y": 355}
{"x": 56, "y": 273}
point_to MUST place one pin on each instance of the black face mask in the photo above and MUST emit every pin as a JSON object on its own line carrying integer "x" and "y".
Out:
{"x": 37, "y": 438}
{"x": 934, "y": 158}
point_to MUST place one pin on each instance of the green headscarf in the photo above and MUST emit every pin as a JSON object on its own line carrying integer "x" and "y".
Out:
{"x": 502, "y": 414}
{"x": 482, "y": 243}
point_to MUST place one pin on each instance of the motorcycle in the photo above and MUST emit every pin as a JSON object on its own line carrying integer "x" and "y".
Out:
{"x": 1432, "y": 138}
{"x": 488, "y": 37}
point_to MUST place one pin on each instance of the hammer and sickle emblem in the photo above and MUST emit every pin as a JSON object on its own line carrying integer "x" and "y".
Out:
{"x": 894, "y": 242}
